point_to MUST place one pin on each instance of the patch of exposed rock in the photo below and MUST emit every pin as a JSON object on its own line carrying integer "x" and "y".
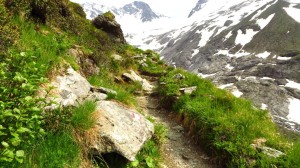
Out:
{"x": 110, "y": 26}
{"x": 133, "y": 76}
{"x": 120, "y": 129}
{"x": 87, "y": 65}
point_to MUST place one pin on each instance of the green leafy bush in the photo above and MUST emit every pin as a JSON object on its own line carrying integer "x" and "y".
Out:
{"x": 20, "y": 117}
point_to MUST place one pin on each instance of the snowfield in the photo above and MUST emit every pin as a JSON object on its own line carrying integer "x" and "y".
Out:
{"x": 293, "y": 12}
{"x": 294, "y": 108}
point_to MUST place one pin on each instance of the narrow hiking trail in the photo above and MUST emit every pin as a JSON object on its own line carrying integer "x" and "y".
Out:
{"x": 178, "y": 150}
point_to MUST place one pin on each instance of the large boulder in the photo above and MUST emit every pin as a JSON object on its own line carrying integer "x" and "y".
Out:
{"x": 119, "y": 129}
{"x": 69, "y": 88}
{"x": 107, "y": 23}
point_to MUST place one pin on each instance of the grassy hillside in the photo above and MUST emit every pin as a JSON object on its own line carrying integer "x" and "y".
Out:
{"x": 35, "y": 36}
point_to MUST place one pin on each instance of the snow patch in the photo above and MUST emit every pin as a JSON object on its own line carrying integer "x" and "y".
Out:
{"x": 293, "y": 84}
{"x": 243, "y": 39}
{"x": 228, "y": 66}
{"x": 195, "y": 52}
{"x": 264, "y": 22}
{"x": 250, "y": 77}
{"x": 264, "y": 106}
{"x": 263, "y": 55}
{"x": 283, "y": 58}
{"x": 228, "y": 35}
{"x": 237, "y": 93}
{"x": 293, "y": 12}
{"x": 294, "y": 110}
{"x": 205, "y": 36}
{"x": 225, "y": 86}
{"x": 241, "y": 53}
{"x": 206, "y": 75}
{"x": 267, "y": 78}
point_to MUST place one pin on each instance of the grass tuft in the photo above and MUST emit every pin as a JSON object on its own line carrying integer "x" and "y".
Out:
{"x": 81, "y": 115}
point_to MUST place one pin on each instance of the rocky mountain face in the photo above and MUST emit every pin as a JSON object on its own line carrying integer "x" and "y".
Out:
{"x": 250, "y": 47}
{"x": 137, "y": 19}
{"x": 137, "y": 9}
{"x": 200, "y": 4}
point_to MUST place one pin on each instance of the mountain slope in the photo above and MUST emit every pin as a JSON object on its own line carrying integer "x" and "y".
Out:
{"x": 198, "y": 7}
{"x": 139, "y": 10}
{"x": 249, "y": 47}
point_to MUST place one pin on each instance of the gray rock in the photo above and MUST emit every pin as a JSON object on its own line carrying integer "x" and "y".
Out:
{"x": 293, "y": 92}
{"x": 120, "y": 129}
{"x": 117, "y": 57}
{"x": 178, "y": 76}
{"x": 268, "y": 151}
{"x": 178, "y": 128}
{"x": 87, "y": 65}
{"x": 68, "y": 89}
{"x": 103, "y": 90}
{"x": 97, "y": 96}
{"x": 110, "y": 26}
{"x": 281, "y": 81}
{"x": 133, "y": 76}
{"x": 188, "y": 90}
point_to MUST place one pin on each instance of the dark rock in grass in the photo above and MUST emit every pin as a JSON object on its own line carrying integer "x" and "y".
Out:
{"x": 110, "y": 26}
{"x": 103, "y": 90}
{"x": 188, "y": 90}
{"x": 178, "y": 76}
{"x": 119, "y": 129}
{"x": 268, "y": 151}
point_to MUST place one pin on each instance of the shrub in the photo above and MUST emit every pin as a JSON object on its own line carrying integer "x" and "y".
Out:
{"x": 109, "y": 15}
{"x": 20, "y": 117}
{"x": 78, "y": 10}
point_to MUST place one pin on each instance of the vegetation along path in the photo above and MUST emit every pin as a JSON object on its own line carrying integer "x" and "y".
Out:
{"x": 178, "y": 150}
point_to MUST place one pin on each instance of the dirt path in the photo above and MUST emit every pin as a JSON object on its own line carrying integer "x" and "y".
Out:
{"x": 178, "y": 150}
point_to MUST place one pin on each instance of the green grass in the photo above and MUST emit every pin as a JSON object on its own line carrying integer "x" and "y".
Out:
{"x": 125, "y": 92}
{"x": 47, "y": 45}
{"x": 225, "y": 124}
{"x": 294, "y": 156}
{"x": 56, "y": 150}
{"x": 81, "y": 115}
{"x": 150, "y": 155}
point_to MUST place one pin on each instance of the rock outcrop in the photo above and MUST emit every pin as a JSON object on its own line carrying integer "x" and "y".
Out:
{"x": 86, "y": 64}
{"x": 133, "y": 76}
{"x": 119, "y": 129}
{"x": 69, "y": 88}
{"x": 109, "y": 25}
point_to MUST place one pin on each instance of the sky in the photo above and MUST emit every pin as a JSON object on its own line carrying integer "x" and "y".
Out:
{"x": 171, "y": 8}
